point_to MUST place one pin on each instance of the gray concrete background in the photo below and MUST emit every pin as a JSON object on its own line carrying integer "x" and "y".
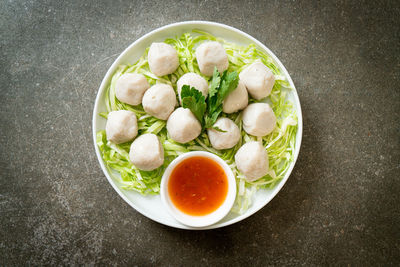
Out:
{"x": 340, "y": 205}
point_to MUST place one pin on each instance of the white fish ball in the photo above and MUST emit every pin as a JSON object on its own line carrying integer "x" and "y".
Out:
{"x": 227, "y": 139}
{"x": 130, "y": 88}
{"x": 258, "y": 119}
{"x": 210, "y": 55}
{"x": 193, "y": 80}
{"x": 121, "y": 126}
{"x": 182, "y": 126}
{"x": 236, "y": 100}
{"x": 159, "y": 101}
{"x": 147, "y": 152}
{"x": 252, "y": 160}
{"x": 163, "y": 59}
{"x": 258, "y": 79}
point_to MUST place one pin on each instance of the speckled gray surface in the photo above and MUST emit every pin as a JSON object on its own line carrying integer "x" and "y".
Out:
{"x": 340, "y": 205}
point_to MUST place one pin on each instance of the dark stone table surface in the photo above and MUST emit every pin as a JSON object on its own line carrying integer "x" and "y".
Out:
{"x": 339, "y": 207}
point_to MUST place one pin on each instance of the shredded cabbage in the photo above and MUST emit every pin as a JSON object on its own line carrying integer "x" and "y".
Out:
{"x": 280, "y": 144}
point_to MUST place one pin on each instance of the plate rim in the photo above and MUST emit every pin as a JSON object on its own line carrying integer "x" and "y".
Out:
{"x": 112, "y": 69}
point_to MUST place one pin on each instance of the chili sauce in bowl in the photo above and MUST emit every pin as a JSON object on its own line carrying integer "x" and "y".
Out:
{"x": 198, "y": 186}
{"x": 198, "y": 189}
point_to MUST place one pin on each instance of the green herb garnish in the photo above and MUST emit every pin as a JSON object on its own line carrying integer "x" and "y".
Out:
{"x": 194, "y": 100}
{"x": 220, "y": 87}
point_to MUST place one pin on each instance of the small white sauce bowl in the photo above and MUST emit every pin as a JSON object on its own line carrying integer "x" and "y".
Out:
{"x": 208, "y": 219}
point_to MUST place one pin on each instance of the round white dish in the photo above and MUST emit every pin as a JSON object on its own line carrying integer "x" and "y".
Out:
{"x": 209, "y": 219}
{"x": 151, "y": 206}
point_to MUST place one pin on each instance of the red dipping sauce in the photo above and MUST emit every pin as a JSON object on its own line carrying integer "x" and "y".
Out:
{"x": 198, "y": 186}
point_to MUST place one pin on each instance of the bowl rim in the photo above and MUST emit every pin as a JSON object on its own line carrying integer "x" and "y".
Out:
{"x": 117, "y": 62}
{"x": 204, "y": 220}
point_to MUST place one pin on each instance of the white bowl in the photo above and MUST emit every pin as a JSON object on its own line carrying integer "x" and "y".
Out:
{"x": 151, "y": 206}
{"x": 209, "y": 219}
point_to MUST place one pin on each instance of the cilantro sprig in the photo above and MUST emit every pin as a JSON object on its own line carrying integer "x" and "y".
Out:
{"x": 194, "y": 100}
{"x": 220, "y": 87}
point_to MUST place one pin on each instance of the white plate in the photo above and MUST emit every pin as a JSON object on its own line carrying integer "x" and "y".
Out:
{"x": 151, "y": 206}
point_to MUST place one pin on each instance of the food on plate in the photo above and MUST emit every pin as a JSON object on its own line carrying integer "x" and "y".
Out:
{"x": 130, "y": 88}
{"x": 236, "y": 100}
{"x": 193, "y": 80}
{"x": 252, "y": 160}
{"x": 121, "y": 126}
{"x": 258, "y": 79}
{"x": 224, "y": 134}
{"x": 146, "y": 152}
{"x": 182, "y": 126}
{"x": 259, "y": 119}
{"x": 210, "y": 55}
{"x": 218, "y": 118}
{"x": 159, "y": 101}
{"x": 198, "y": 186}
{"x": 163, "y": 59}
